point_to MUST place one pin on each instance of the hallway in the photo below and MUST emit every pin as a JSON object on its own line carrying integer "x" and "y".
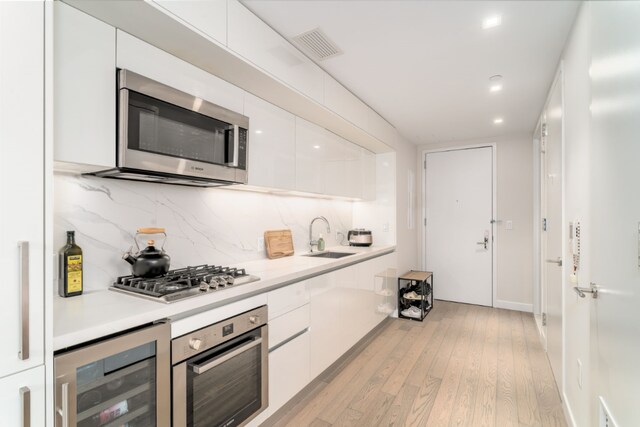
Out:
{"x": 465, "y": 365}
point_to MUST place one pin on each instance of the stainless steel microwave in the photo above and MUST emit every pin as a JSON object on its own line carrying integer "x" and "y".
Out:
{"x": 168, "y": 136}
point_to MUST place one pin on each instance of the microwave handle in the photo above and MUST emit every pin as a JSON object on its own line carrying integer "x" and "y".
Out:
{"x": 236, "y": 146}
{"x": 200, "y": 369}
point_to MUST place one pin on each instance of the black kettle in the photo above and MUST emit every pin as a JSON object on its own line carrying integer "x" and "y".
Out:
{"x": 151, "y": 261}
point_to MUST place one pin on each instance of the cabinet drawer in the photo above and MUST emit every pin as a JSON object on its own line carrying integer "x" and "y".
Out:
{"x": 287, "y": 298}
{"x": 286, "y": 326}
{"x": 288, "y": 371}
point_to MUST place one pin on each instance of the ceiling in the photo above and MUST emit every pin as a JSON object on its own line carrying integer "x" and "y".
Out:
{"x": 425, "y": 65}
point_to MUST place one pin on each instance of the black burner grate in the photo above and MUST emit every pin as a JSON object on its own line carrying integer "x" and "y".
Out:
{"x": 180, "y": 280}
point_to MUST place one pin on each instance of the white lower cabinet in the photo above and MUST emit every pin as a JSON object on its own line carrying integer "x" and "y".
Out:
{"x": 344, "y": 306}
{"x": 288, "y": 298}
{"x": 314, "y": 322}
{"x": 288, "y": 371}
{"x": 23, "y": 398}
{"x": 288, "y": 343}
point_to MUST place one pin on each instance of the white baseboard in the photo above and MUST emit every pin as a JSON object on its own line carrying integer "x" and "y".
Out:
{"x": 510, "y": 305}
{"x": 568, "y": 415}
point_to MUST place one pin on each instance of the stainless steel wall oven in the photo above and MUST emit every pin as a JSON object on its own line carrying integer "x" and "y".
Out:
{"x": 220, "y": 372}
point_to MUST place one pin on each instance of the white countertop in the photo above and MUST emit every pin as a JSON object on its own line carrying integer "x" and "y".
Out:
{"x": 96, "y": 314}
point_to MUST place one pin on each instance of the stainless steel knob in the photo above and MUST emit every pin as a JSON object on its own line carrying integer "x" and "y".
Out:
{"x": 195, "y": 344}
{"x": 254, "y": 319}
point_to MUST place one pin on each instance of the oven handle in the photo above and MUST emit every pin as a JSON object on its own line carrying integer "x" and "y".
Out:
{"x": 199, "y": 369}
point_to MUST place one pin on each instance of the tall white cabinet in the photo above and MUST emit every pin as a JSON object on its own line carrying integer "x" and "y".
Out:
{"x": 21, "y": 211}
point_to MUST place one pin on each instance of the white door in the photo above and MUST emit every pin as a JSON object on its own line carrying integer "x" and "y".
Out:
{"x": 459, "y": 231}
{"x": 21, "y": 185}
{"x": 615, "y": 208}
{"x": 552, "y": 236}
{"x": 22, "y": 397}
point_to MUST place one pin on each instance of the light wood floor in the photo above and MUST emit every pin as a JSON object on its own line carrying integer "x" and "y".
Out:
{"x": 465, "y": 365}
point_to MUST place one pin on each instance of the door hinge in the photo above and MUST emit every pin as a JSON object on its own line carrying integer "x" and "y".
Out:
{"x": 544, "y": 319}
{"x": 424, "y": 165}
{"x": 425, "y": 222}
{"x": 544, "y": 224}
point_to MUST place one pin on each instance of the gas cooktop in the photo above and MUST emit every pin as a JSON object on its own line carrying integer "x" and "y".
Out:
{"x": 183, "y": 283}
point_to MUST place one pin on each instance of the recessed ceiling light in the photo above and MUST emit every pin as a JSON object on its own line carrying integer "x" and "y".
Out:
{"x": 258, "y": 132}
{"x": 316, "y": 147}
{"x": 497, "y": 121}
{"x": 491, "y": 21}
{"x": 495, "y": 88}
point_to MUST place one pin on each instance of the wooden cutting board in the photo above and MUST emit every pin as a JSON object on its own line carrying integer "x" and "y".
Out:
{"x": 279, "y": 243}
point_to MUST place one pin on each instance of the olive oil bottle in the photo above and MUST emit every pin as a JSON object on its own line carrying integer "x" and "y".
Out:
{"x": 70, "y": 280}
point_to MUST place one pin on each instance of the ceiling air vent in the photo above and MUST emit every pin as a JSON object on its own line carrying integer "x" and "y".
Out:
{"x": 317, "y": 44}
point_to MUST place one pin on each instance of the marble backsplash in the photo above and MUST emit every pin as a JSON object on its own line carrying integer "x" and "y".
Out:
{"x": 204, "y": 226}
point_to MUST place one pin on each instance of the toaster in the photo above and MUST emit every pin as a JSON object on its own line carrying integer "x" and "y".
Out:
{"x": 360, "y": 237}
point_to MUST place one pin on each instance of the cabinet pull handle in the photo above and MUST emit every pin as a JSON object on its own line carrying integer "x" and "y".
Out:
{"x": 64, "y": 407}
{"x": 23, "y": 247}
{"x": 25, "y": 396}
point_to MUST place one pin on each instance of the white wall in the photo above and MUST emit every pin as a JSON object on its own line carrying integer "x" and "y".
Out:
{"x": 514, "y": 253}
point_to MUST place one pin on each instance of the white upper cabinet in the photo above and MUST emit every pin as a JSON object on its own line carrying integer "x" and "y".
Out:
{"x": 142, "y": 58}
{"x": 85, "y": 88}
{"x": 311, "y": 155}
{"x": 368, "y": 174}
{"x": 272, "y": 145}
{"x": 254, "y": 40}
{"x": 343, "y": 168}
{"x": 209, "y": 17}
{"x": 328, "y": 164}
{"x": 21, "y": 185}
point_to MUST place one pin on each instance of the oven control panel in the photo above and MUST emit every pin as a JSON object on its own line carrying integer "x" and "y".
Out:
{"x": 195, "y": 342}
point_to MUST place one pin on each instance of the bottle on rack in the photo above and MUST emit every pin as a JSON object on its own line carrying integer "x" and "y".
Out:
{"x": 70, "y": 277}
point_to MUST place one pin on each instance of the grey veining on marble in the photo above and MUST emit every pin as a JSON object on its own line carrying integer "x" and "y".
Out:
{"x": 204, "y": 226}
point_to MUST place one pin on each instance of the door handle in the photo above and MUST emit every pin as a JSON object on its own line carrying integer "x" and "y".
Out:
{"x": 23, "y": 257}
{"x": 555, "y": 261}
{"x": 592, "y": 289}
{"x": 64, "y": 406}
{"x": 484, "y": 243}
{"x": 25, "y": 395}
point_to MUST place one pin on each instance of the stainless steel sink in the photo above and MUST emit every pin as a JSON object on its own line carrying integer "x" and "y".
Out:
{"x": 329, "y": 254}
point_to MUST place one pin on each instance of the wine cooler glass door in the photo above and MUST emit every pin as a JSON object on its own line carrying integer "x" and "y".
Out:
{"x": 122, "y": 387}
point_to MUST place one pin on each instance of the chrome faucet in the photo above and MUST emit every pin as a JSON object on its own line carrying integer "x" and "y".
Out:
{"x": 312, "y": 242}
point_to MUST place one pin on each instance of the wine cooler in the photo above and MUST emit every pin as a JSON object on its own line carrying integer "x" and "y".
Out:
{"x": 121, "y": 381}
